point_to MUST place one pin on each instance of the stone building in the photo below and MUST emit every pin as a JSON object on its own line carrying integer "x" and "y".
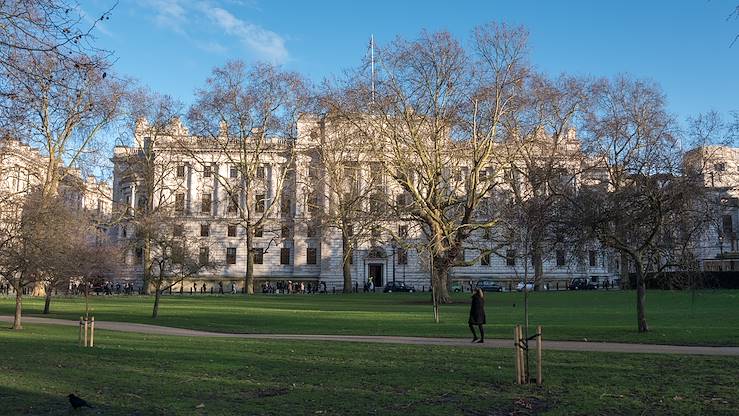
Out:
{"x": 718, "y": 169}
{"x": 196, "y": 179}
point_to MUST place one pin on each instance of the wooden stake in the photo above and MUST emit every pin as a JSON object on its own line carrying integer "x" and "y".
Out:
{"x": 521, "y": 362}
{"x": 79, "y": 337}
{"x": 86, "y": 326}
{"x": 515, "y": 350}
{"x": 538, "y": 355}
{"x": 92, "y": 332}
{"x": 522, "y": 356}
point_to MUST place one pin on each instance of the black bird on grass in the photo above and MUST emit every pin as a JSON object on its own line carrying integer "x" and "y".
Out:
{"x": 77, "y": 402}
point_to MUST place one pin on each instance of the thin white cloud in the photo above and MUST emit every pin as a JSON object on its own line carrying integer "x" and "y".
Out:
{"x": 170, "y": 14}
{"x": 211, "y": 46}
{"x": 187, "y": 17}
{"x": 263, "y": 42}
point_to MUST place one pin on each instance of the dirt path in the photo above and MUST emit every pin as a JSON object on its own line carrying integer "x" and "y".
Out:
{"x": 455, "y": 342}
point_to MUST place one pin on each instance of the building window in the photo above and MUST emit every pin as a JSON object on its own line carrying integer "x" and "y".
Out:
{"x": 560, "y": 258}
{"x": 728, "y": 224}
{"x": 719, "y": 167}
{"x": 375, "y": 203}
{"x": 510, "y": 258}
{"x": 205, "y": 204}
{"x": 204, "y": 254}
{"x": 139, "y": 253}
{"x": 178, "y": 230}
{"x": 285, "y": 255}
{"x": 311, "y": 255}
{"x": 179, "y": 203}
{"x": 178, "y": 253}
{"x": 231, "y": 255}
{"x": 233, "y": 172}
{"x": 204, "y": 230}
{"x": 485, "y": 259}
{"x": 402, "y": 255}
{"x": 258, "y": 255}
{"x": 350, "y": 230}
{"x": 258, "y": 231}
{"x": 285, "y": 207}
{"x": 232, "y": 231}
{"x": 312, "y": 172}
{"x": 233, "y": 204}
{"x": 592, "y": 257}
{"x": 260, "y": 172}
{"x": 312, "y": 202}
{"x": 259, "y": 205}
{"x": 207, "y": 171}
{"x": 180, "y": 171}
{"x": 403, "y": 231}
{"x": 310, "y": 231}
{"x": 376, "y": 232}
{"x": 285, "y": 231}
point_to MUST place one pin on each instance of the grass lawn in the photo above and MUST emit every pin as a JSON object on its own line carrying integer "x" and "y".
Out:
{"x": 700, "y": 318}
{"x": 132, "y": 374}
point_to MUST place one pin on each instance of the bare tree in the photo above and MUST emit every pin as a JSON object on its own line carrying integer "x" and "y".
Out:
{"x": 248, "y": 118}
{"x": 149, "y": 166}
{"x": 434, "y": 114}
{"x": 345, "y": 173}
{"x": 66, "y": 119}
{"x": 638, "y": 190}
{"x": 544, "y": 161}
{"x": 173, "y": 255}
{"x": 40, "y": 30}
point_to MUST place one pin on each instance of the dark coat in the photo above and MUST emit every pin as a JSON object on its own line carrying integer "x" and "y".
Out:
{"x": 477, "y": 310}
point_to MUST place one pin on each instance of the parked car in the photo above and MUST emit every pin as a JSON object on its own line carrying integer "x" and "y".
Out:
{"x": 456, "y": 287}
{"x": 398, "y": 287}
{"x": 489, "y": 286}
{"x": 520, "y": 286}
{"x": 581, "y": 283}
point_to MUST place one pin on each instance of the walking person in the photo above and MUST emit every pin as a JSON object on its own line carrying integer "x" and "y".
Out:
{"x": 477, "y": 315}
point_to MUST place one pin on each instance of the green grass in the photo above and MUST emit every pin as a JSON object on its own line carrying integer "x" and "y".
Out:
{"x": 132, "y": 374}
{"x": 700, "y": 318}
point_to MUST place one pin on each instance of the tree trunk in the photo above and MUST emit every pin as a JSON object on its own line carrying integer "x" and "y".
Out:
{"x": 18, "y": 307}
{"x": 47, "y": 301}
{"x": 641, "y": 297}
{"x": 538, "y": 262}
{"x": 623, "y": 270}
{"x": 439, "y": 280}
{"x": 147, "y": 262}
{"x": 249, "y": 278}
{"x": 157, "y": 296}
{"x": 346, "y": 259}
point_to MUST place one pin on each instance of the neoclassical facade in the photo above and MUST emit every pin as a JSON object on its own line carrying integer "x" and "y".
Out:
{"x": 293, "y": 243}
{"x": 22, "y": 168}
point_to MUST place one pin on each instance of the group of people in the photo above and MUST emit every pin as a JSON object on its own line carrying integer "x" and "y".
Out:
{"x": 5, "y": 289}
{"x": 107, "y": 288}
{"x": 220, "y": 288}
{"x": 289, "y": 286}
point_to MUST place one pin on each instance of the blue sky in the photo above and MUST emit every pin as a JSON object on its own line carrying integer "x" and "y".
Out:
{"x": 172, "y": 45}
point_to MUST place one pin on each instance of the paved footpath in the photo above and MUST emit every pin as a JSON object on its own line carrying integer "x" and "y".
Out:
{"x": 450, "y": 342}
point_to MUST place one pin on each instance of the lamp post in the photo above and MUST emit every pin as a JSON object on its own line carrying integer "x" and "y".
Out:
{"x": 395, "y": 262}
{"x": 721, "y": 250}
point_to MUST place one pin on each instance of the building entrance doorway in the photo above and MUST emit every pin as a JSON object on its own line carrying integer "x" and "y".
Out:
{"x": 375, "y": 273}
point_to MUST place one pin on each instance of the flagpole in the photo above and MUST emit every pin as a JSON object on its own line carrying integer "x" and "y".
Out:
{"x": 372, "y": 57}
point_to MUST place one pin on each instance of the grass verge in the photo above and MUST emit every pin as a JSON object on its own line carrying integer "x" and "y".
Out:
{"x": 700, "y": 318}
{"x": 131, "y": 374}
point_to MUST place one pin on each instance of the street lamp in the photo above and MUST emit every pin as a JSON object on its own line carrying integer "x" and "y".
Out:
{"x": 395, "y": 261}
{"x": 721, "y": 249}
